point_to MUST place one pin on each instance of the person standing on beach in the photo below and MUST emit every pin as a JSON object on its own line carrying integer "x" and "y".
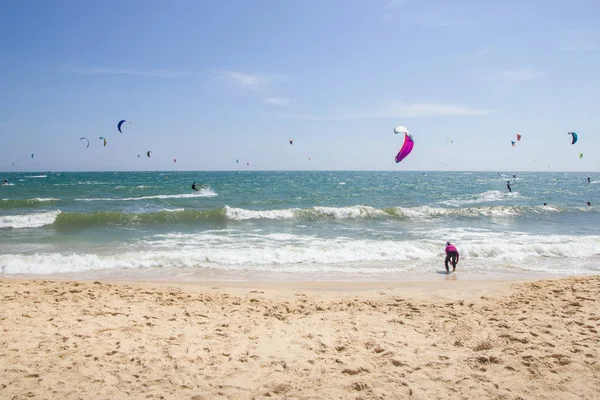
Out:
{"x": 452, "y": 256}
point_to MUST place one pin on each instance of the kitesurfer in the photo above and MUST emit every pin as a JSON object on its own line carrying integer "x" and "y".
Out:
{"x": 508, "y": 186}
{"x": 452, "y": 256}
{"x": 589, "y": 179}
{"x": 589, "y": 204}
{"x": 5, "y": 182}
{"x": 194, "y": 187}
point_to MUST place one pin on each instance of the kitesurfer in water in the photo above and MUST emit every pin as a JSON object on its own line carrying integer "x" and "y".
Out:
{"x": 5, "y": 182}
{"x": 452, "y": 256}
{"x": 589, "y": 179}
{"x": 589, "y": 204}
{"x": 508, "y": 186}
{"x": 194, "y": 187}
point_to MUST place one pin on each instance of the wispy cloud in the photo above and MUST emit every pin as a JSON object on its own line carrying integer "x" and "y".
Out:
{"x": 159, "y": 73}
{"x": 520, "y": 75}
{"x": 580, "y": 41}
{"x": 512, "y": 76}
{"x": 481, "y": 53}
{"x": 251, "y": 81}
{"x": 437, "y": 19}
{"x": 393, "y": 109}
{"x": 279, "y": 101}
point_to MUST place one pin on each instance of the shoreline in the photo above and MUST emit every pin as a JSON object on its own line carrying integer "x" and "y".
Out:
{"x": 302, "y": 340}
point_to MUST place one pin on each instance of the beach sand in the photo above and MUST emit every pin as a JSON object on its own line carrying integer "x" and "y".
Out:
{"x": 432, "y": 340}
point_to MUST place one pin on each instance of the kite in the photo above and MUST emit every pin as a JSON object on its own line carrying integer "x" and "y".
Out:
{"x": 101, "y": 138}
{"x": 518, "y": 137}
{"x": 309, "y": 159}
{"x": 139, "y": 155}
{"x": 174, "y": 160}
{"x": 247, "y": 164}
{"x": 32, "y": 155}
{"x": 450, "y": 139}
{"x": 291, "y": 141}
{"x": 513, "y": 143}
{"x": 121, "y": 122}
{"x": 237, "y": 160}
{"x": 88, "y": 142}
{"x": 574, "y": 137}
{"x": 408, "y": 144}
{"x": 580, "y": 155}
{"x": 148, "y": 153}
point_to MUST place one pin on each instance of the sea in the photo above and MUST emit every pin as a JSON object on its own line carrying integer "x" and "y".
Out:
{"x": 298, "y": 225}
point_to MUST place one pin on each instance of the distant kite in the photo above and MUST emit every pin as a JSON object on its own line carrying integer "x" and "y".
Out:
{"x": 580, "y": 155}
{"x": 121, "y": 122}
{"x": 518, "y": 137}
{"x": 237, "y": 160}
{"x": 513, "y": 143}
{"x": 101, "y": 138}
{"x": 88, "y": 142}
{"x": 574, "y": 135}
{"x": 148, "y": 153}
{"x": 450, "y": 139}
{"x": 32, "y": 155}
{"x": 408, "y": 144}
{"x": 174, "y": 160}
{"x": 291, "y": 141}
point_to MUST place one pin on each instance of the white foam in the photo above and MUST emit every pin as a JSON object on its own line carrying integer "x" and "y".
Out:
{"x": 240, "y": 214}
{"x": 36, "y": 176}
{"x": 350, "y": 212}
{"x": 207, "y": 192}
{"x": 35, "y": 220}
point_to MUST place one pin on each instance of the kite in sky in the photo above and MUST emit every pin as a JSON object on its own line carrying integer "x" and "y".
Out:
{"x": 574, "y": 137}
{"x": 101, "y": 138}
{"x": 121, "y": 122}
{"x": 408, "y": 144}
{"x": 88, "y": 142}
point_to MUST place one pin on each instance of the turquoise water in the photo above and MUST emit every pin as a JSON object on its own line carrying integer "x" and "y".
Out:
{"x": 343, "y": 225}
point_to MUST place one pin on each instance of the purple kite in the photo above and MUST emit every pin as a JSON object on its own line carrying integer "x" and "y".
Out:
{"x": 407, "y": 146}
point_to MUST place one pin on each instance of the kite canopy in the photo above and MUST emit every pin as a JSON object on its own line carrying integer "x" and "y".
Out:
{"x": 407, "y": 146}
{"x": 121, "y": 122}
{"x": 88, "y": 142}
{"x": 580, "y": 155}
{"x": 237, "y": 160}
{"x": 291, "y": 141}
{"x": 101, "y": 138}
{"x": 450, "y": 139}
{"x": 518, "y": 136}
{"x": 148, "y": 153}
{"x": 32, "y": 155}
{"x": 513, "y": 143}
{"x": 174, "y": 160}
{"x": 400, "y": 129}
{"x": 574, "y": 137}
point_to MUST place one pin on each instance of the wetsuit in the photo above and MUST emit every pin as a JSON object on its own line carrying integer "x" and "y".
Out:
{"x": 194, "y": 187}
{"x": 452, "y": 256}
{"x": 508, "y": 186}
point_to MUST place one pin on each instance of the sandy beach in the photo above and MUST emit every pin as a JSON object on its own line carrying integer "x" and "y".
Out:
{"x": 432, "y": 340}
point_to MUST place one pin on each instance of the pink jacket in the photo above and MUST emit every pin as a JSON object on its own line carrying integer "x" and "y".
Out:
{"x": 450, "y": 248}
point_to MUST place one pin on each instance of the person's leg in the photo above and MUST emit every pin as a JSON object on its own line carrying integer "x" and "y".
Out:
{"x": 453, "y": 261}
{"x": 446, "y": 262}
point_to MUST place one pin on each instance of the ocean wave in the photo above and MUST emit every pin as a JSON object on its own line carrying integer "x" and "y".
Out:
{"x": 35, "y": 220}
{"x": 297, "y": 253}
{"x": 36, "y": 176}
{"x": 206, "y": 192}
{"x": 25, "y": 203}
{"x": 168, "y": 216}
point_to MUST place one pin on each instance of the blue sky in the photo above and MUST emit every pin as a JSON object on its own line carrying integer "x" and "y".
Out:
{"x": 209, "y": 82}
